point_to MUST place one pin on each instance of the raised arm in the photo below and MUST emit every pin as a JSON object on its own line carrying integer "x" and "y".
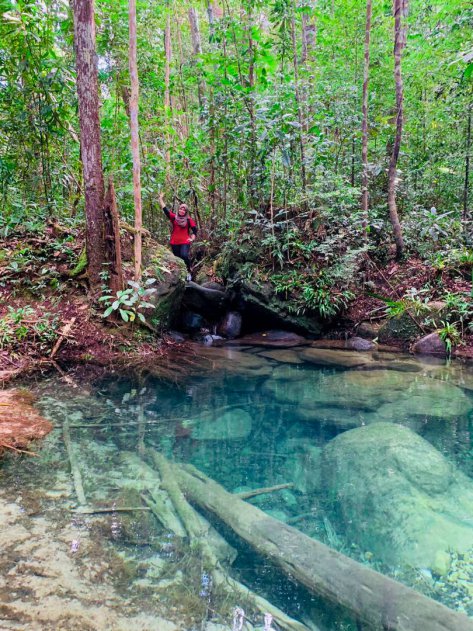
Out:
{"x": 162, "y": 203}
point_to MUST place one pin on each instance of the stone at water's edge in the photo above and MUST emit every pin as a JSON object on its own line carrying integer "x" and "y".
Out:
{"x": 20, "y": 423}
{"x": 230, "y": 325}
{"x": 336, "y": 358}
{"x": 368, "y": 330}
{"x": 160, "y": 263}
{"x": 359, "y": 344}
{"x": 283, "y": 356}
{"x": 431, "y": 344}
{"x": 273, "y": 339}
{"x": 400, "y": 328}
{"x": 398, "y": 497}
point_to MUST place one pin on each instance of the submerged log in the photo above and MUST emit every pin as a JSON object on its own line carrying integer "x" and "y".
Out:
{"x": 199, "y": 530}
{"x": 372, "y": 597}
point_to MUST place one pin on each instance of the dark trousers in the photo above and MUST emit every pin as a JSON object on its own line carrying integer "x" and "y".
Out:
{"x": 183, "y": 252}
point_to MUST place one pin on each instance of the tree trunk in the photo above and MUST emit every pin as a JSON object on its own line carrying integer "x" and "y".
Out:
{"x": 466, "y": 186}
{"x": 135, "y": 139}
{"x": 197, "y": 50}
{"x": 309, "y": 33}
{"x": 298, "y": 97}
{"x": 364, "y": 125}
{"x": 167, "y": 95}
{"x": 400, "y": 11}
{"x": 89, "y": 122}
{"x": 112, "y": 239}
{"x": 370, "y": 596}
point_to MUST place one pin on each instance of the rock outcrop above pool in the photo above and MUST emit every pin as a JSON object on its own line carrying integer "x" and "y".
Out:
{"x": 398, "y": 497}
{"x": 170, "y": 273}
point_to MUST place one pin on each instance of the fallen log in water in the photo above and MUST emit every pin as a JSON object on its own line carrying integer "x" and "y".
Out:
{"x": 372, "y": 597}
{"x": 198, "y": 530}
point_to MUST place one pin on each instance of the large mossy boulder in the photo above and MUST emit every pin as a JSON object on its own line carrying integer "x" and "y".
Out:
{"x": 160, "y": 263}
{"x": 398, "y": 497}
{"x": 262, "y": 306}
{"x": 402, "y": 328}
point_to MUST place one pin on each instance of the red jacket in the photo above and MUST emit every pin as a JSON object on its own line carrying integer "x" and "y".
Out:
{"x": 179, "y": 235}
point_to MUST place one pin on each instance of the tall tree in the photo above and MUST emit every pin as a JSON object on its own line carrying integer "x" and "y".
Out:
{"x": 91, "y": 155}
{"x": 135, "y": 139}
{"x": 197, "y": 50}
{"x": 364, "y": 125}
{"x": 466, "y": 183}
{"x": 298, "y": 96}
{"x": 309, "y": 30}
{"x": 167, "y": 93}
{"x": 400, "y": 12}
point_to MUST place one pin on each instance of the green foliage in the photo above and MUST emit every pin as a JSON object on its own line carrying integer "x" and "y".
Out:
{"x": 316, "y": 295}
{"x": 23, "y": 325}
{"x": 130, "y": 302}
{"x": 450, "y": 334}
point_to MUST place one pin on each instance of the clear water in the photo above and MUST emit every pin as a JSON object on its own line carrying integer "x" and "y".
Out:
{"x": 254, "y": 419}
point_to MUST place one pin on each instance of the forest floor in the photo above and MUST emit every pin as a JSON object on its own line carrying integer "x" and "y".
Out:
{"x": 47, "y": 321}
{"x": 46, "y": 318}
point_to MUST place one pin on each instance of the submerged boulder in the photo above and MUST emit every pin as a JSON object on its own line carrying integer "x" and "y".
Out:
{"x": 283, "y": 356}
{"x": 397, "y": 496}
{"x": 357, "y": 397}
{"x": 335, "y": 358}
{"x": 231, "y": 425}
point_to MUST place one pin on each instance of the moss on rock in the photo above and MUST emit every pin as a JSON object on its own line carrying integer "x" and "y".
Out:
{"x": 170, "y": 273}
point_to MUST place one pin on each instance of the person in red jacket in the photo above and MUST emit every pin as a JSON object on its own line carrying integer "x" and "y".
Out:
{"x": 184, "y": 230}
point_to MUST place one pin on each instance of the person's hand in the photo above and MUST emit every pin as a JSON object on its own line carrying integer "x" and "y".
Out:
{"x": 192, "y": 238}
{"x": 161, "y": 199}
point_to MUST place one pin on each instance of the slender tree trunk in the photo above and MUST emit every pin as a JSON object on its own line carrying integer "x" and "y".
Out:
{"x": 309, "y": 33}
{"x": 298, "y": 96}
{"x": 197, "y": 50}
{"x": 113, "y": 244}
{"x": 253, "y": 176}
{"x": 466, "y": 185}
{"x": 184, "y": 118}
{"x": 167, "y": 94}
{"x": 364, "y": 125}
{"x": 88, "y": 97}
{"x": 135, "y": 138}
{"x": 400, "y": 11}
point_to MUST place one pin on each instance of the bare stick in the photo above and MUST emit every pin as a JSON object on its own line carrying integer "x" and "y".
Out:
{"x": 76, "y": 476}
{"x": 65, "y": 330}
{"x": 91, "y": 510}
{"x": 244, "y": 495}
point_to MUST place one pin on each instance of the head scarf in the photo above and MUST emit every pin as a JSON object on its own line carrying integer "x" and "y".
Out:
{"x": 182, "y": 221}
